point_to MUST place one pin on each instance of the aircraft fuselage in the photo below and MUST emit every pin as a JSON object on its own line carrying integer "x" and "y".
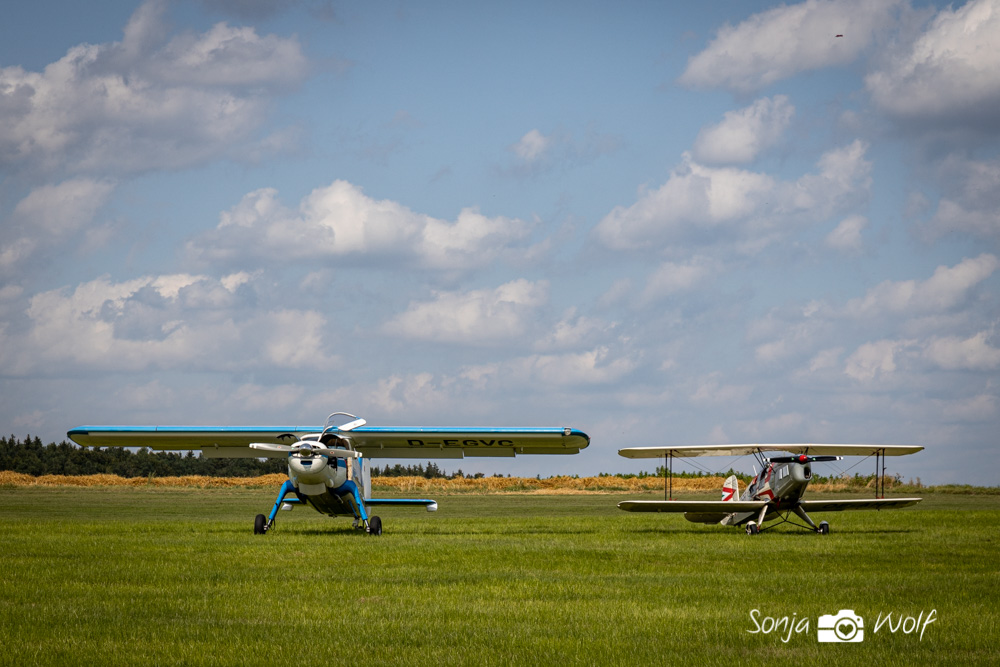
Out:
{"x": 322, "y": 482}
{"x": 782, "y": 485}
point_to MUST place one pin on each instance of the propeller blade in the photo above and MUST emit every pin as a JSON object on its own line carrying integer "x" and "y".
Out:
{"x": 271, "y": 447}
{"x": 337, "y": 453}
{"x": 802, "y": 458}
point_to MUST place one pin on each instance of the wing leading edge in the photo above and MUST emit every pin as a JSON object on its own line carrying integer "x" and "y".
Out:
{"x": 371, "y": 441}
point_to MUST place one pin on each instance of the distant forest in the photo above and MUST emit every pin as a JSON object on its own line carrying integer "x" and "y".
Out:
{"x": 31, "y": 457}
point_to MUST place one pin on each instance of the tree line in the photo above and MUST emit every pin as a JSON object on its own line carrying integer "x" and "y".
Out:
{"x": 31, "y": 457}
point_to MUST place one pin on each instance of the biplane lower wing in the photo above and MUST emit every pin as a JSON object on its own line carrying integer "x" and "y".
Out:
{"x": 371, "y": 441}
{"x": 720, "y": 507}
{"x": 856, "y": 504}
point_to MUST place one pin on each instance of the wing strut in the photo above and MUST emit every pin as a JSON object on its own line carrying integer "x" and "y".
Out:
{"x": 669, "y": 456}
{"x": 879, "y": 494}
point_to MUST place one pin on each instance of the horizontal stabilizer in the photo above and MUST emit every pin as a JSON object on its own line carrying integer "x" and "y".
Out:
{"x": 700, "y": 506}
{"x": 431, "y": 505}
{"x": 744, "y": 450}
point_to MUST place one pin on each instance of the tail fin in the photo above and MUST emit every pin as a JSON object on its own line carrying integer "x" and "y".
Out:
{"x": 731, "y": 488}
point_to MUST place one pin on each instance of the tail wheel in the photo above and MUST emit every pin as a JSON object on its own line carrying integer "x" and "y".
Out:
{"x": 374, "y": 526}
{"x": 260, "y": 525}
{"x": 752, "y": 528}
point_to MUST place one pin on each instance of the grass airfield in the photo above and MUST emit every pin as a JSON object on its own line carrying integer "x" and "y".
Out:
{"x": 175, "y": 576}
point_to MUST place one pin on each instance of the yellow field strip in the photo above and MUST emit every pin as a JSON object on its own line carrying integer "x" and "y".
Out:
{"x": 550, "y": 485}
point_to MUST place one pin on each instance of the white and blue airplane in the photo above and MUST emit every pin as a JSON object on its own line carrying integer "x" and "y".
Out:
{"x": 328, "y": 467}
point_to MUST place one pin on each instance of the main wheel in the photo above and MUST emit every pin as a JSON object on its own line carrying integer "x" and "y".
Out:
{"x": 260, "y": 525}
{"x": 374, "y": 526}
{"x": 824, "y": 528}
{"x": 752, "y": 528}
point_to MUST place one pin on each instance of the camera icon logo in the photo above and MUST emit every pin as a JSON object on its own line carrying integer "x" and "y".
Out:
{"x": 844, "y": 626}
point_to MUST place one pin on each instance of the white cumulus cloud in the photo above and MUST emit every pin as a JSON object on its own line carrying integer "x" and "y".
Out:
{"x": 673, "y": 277}
{"x": 339, "y": 221}
{"x": 701, "y": 205}
{"x": 846, "y": 236}
{"x": 780, "y": 42}
{"x": 951, "y": 72}
{"x": 532, "y": 146}
{"x": 947, "y": 288}
{"x": 744, "y": 133}
{"x": 956, "y": 353}
{"x": 174, "y": 321}
{"x": 476, "y": 317}
{"x": 970, "y": 203}
{"x": 143, "y": 104}
{"x": 876, "y": 359}
{"x": 65, "y": 207}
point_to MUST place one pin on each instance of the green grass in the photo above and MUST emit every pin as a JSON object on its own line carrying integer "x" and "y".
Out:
{"x": 175, "y": 576}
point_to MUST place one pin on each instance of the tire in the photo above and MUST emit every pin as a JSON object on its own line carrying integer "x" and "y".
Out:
{"x": 374, "y": 526}
{"x": 824, "y": 528}
{"x": 752, "y": 528}
{"x": 260, "y": 525}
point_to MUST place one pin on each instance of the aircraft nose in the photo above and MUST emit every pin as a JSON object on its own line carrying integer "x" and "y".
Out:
{"x": 802, "y": 472}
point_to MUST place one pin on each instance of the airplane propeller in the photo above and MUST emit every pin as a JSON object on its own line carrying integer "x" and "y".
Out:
{"x": 306, "y": 449}
{"x": 312, "y": 445}
{"x": 802, "y": 458}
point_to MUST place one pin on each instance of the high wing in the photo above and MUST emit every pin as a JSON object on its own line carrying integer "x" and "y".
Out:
{"x": 868, "y": 504}
{"x": 398, "y": 442}
{"x": 721, "y": 507}
{"x": 743, "y": 450}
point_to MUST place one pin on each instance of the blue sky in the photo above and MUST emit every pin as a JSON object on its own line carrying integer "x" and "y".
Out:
{"x": 660, "y": 225}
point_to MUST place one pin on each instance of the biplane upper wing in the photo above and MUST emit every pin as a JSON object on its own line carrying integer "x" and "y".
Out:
{"x": 721, "y": 507}
{"x": 743, "y": 450}
{"x": 839, "y": 505}
{"x": 372, "y": 441}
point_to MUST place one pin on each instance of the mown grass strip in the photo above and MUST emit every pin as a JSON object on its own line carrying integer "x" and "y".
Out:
{"x": 174, "y": 576}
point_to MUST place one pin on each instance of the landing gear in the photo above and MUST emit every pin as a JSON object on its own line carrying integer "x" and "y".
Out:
{"x": 374, "y": 526}
{"x": 752, "y": 528}
{"x": 260, "y": 525}
{"x": 824, "y": 528}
